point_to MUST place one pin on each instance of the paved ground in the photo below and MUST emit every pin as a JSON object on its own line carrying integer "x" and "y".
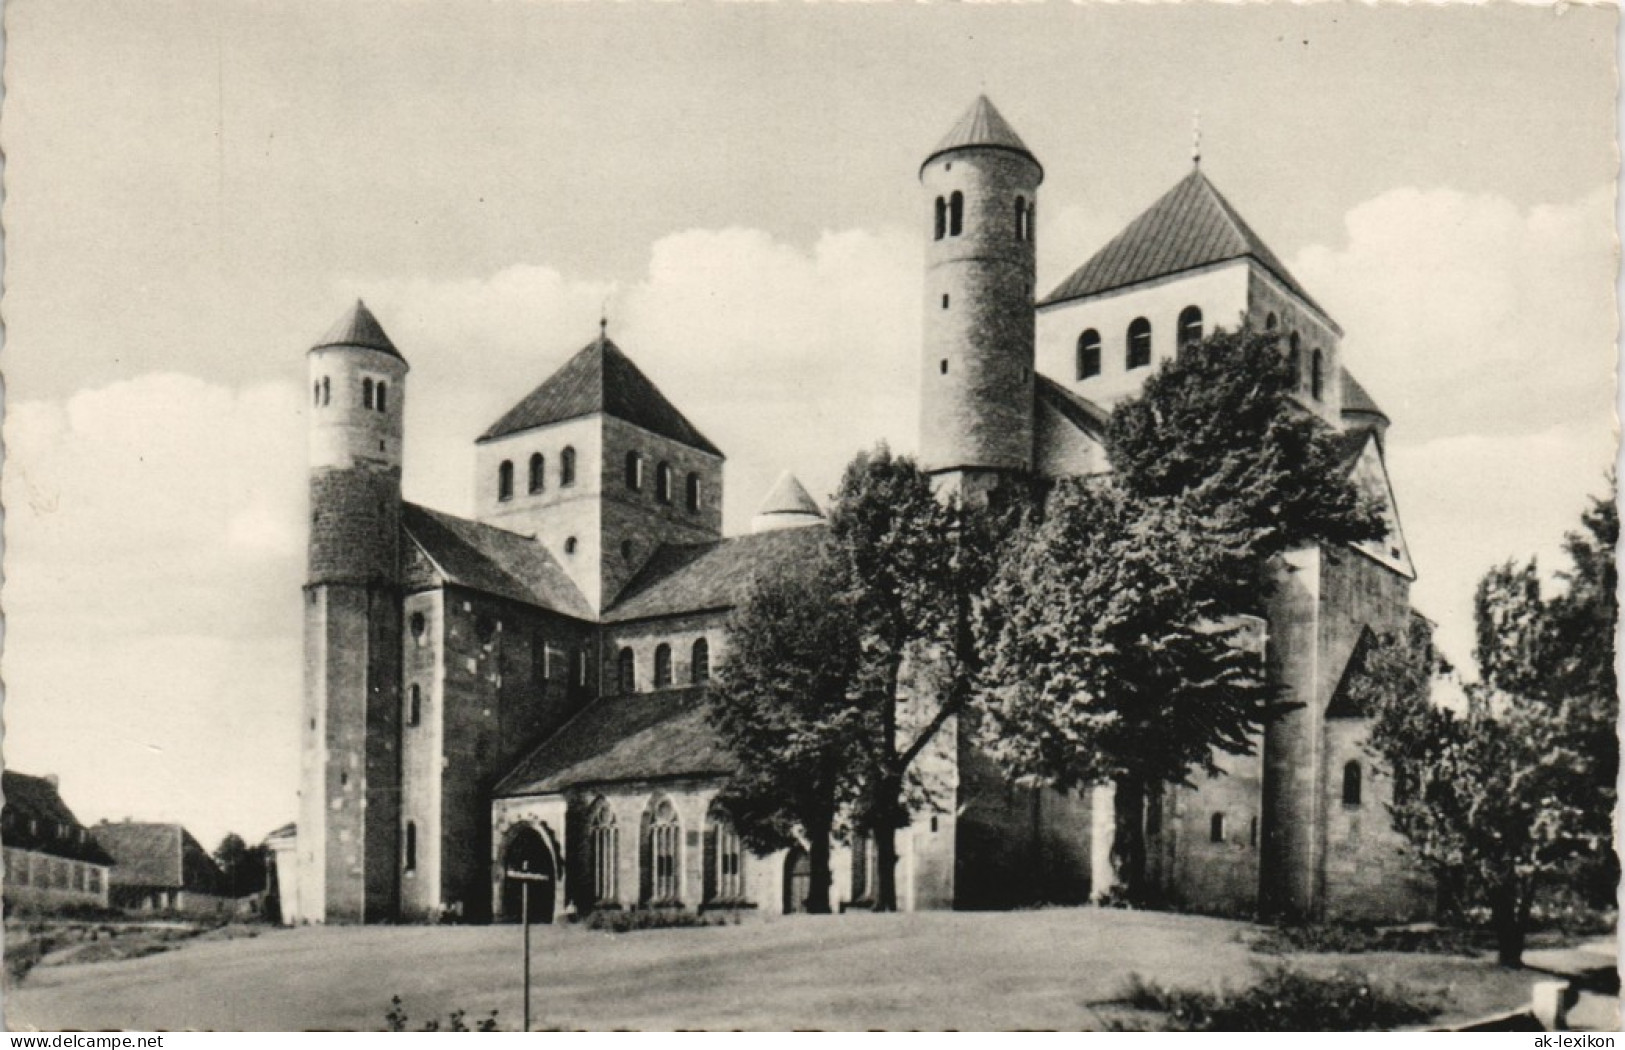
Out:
{"x": 1037, "y": 969}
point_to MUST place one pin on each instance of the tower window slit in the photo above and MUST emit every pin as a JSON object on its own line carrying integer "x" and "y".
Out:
{"x": 956, "y": 214}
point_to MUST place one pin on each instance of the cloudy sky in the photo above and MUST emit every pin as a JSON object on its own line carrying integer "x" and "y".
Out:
{"x": 195, "y": 191}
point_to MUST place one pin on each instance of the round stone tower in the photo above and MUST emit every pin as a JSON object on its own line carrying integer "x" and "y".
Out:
{"x": 976, "y": 408}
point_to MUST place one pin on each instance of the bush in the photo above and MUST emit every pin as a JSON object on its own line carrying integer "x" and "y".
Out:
{"x": 1286, "y": 1000}
{"x": 1354, "y": 939}
{"x": 395, "y": 1020}
{"x": 636, "y": 919}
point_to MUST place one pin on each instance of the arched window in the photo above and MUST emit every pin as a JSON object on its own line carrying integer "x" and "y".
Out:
{"x": 409, "y": 850}
{"x": 505, "y": 480}
{"x": 1294, "y": 357}
{"x": 1190, "y": 325}
{"x": 956, "y": 214}
{"x": 603, "y": 851}
{"x": 663, "y": 483}
{"x": 1252, "y": 833}
{"x": 366, "y": 393}
{"x": 1139, "y": 343}
{"x": 327, "y": 391}
{"x": 1088, "y": 354}
{"x": 700, "y": 663}
{"x": 567, "y": 466}
{"x": 1351, "y": 784}
{"x": 1269, "y": 322}
{"x": 570, "y": 545}
{"x": 1215, "y": 828}
{"x": 1032, "y": 218}
{"x": 1317, "y": 375}
{"x": 694, "y": 492}
{"x": 634, "y": 471}
{"x": 724, "y": 859}
{"x": 414, "y": 706}
{"x": 538, "y": 472}
{"x": 942, "y": 218}
{"x": 626, "y": 671}
{"x": 316, "y": 393}
{"x": 662, "y": 666}
{"x": 381, "y": 402}
{"x": 664, "y": 845}
{"x": 1021, "y": 218}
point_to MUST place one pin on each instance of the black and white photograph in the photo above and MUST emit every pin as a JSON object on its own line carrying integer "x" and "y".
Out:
{"x": 656, "y": 515}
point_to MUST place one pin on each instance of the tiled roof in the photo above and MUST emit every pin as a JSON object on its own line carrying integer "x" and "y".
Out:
{"x": 492, "y": 560}
{"x": 789, "y": 496}
{"x": 704, "y": 576}
{"x": 600, "y": 378}
{"x": 984, "y": 127}
{"x": 145, "y": 854}
{"x": 358, "y": 327}
{"x": 643, "y": 736}
{"x": 1191, "y": 226}
{"x": 1083, "y": 413}
{"x": 1350, "y": 444}
{"x": 37, "y": 819}
{"x": 1356, "y": 400}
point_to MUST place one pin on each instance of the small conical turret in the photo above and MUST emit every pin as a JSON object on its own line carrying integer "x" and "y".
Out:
{"x": 787, "y": 506}
{"x": 358, "y": 328}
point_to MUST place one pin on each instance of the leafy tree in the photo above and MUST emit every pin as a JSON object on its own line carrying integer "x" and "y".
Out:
{"x": 782, "y": 703}
{"x": 1113, "y": 625}
{"x": 242, "y": 868}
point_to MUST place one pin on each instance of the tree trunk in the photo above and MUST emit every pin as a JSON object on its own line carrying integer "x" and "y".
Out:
{"x": 1509, "y": 914}
{"x": 886, "y": 843}
{"x": 819, "y": 878}
{"x": 1128, "y": 840}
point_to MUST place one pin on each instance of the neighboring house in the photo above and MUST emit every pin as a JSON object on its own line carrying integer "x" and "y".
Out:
{"x": 162, "y": 868}
{"x": 50, "y": 858}
{"x": 523, "y": 690}
{"x": 282, "y": 875}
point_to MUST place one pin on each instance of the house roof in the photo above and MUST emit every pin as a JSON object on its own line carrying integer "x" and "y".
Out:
{"x": 37, "y": 819}
{"x": 789, "y": 496}
{"x": 643, "y": 736}
{"x": 492, "y": 560}
{"x": 358, "y": 327}
{"x": 1350, "y": 444}
{"x": 698, "y": 577}
{"x": 981, "y": 127}
{"x": 1080, "y": 411}
{"x": 600, "y": 379}
{"x": 145, "y": 854}
{"x": 1192, "y": 225}
{"x": 1356, "y": 400}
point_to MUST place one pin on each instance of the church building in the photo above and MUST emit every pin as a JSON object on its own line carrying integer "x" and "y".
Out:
{"x": 523, "y": 690}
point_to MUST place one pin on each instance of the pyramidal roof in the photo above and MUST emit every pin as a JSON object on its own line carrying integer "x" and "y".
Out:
{"x": 1191, "y": 226}
{"x": 600, "y": 379}
{"x": 789, "y": 496}
{"x": 983, "y": 127}
{"x": 358, "y": 327}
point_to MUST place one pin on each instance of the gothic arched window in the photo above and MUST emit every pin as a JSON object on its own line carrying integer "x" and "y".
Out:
{"x": 941, "y": 225}
{"x": 700, "y": 663}
{"x": 694, "y": 492}
{"x": 956, "y": 214}
{"x": 664, "y": 844}
{"x": 662, "y": 666}
{"x": 1088, "y": 354}
{"x": 1139, "y": 343}
{"x": 1269, "y": 322}
{"x": 538, "y": 472}
{"x": 1190, "y": 325}
{"x": 567, "y": 466}
{"x": 1317, "y": 375}
{"x": 626, "y": 671}
{"x": 1351, "y": 784}
{"x": 505, "y": 480}
{"x": 725, "y": 859}
{"x": 603, "y": 851}
{"x": 663, "y": 483}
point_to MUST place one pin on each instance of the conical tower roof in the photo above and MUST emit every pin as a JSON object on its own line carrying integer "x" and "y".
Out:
{"x": 982, "y": 127}
{"x": 789, "y": 496}
{"x": 358, "y": 327}
{"x": 1192, "y": 225}
{"x": 600, "y": 379}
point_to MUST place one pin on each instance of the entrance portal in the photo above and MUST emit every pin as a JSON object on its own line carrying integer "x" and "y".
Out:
{"x": 797, "y": 880}
{"x": 528, "y": 852}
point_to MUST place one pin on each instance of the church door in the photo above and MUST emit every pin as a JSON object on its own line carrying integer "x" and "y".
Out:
{"x": 528, "y": 853}
{"x": 797, "y": 880}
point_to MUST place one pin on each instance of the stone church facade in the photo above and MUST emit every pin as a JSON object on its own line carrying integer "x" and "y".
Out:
{"x": 523, "y": 690}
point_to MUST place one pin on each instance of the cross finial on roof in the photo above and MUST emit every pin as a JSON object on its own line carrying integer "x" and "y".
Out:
{"x": 1196, "y": 138}
{"x": 603, "y": 321}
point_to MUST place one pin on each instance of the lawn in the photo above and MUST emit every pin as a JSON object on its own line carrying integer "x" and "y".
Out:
{"x": 1035, "y": 969}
